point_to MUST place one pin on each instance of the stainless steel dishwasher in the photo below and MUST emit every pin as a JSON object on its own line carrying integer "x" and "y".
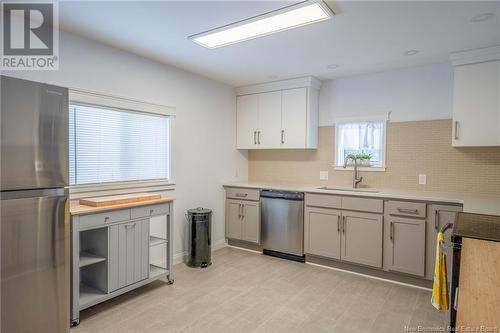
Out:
{"x": 282, "y": 216}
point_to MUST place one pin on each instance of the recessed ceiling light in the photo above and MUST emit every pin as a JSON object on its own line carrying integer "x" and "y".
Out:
{"x": 332, "y": 66}
{"x": 411, "y": 52}
{"x": 293, "y": 16}
{"x": 482, "y": 17}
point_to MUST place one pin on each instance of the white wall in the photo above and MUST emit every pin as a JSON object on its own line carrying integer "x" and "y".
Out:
{"x": 204, "y": 148}
{"x": 417, "y": 93}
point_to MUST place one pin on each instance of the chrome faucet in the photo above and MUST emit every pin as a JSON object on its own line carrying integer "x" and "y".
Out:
{"x": 355, "y": 175}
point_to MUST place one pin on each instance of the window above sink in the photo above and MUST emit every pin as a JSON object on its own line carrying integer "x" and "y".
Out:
{"x": 364, "y": 138}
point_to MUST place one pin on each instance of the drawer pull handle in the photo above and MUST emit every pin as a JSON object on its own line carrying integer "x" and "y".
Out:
{"x": 106, "y": 219}
{"x": 408, "y": 211}
{"x": 241, "y": 195}
{"x": 151, "y": 211}
{"x": 127, "y": 226}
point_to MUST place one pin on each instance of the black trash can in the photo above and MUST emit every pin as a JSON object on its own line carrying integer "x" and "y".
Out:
{"x": 200, "y": 235}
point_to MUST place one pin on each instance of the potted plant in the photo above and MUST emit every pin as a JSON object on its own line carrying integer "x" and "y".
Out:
{"x": 364, "y": 159}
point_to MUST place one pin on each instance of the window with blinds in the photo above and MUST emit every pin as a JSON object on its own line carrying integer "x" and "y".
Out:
{"x": 108, "y": 145}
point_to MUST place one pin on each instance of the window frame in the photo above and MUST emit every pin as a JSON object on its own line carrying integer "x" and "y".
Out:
{"x": 92, "y": 99}
{"x": 385, "y": 120}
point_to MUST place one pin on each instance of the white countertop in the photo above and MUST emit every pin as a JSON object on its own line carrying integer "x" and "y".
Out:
{"x": 490, "y": 206}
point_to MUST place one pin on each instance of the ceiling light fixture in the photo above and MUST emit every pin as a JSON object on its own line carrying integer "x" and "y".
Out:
{"x": 332, "y": 66}
{"x": 411, "y": 52}
{"x": 482, "y": 17}
{"x": 289, "y": 17}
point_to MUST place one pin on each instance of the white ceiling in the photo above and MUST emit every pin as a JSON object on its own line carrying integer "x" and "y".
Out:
{"x": 363, "y": 37}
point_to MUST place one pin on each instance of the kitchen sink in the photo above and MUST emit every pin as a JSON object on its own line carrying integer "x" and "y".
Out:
{"x": 326, "y": 188}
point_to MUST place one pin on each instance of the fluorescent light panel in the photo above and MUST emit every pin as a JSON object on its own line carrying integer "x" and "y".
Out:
{"x": 294, "y": 16}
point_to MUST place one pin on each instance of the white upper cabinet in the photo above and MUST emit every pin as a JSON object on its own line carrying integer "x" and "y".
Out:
{"x": 247, "y": 121}
{"x": 268, "y": 135}
{"x": 476, "y": 99}
{"x": 278, "y": 115}
{"x": 293, "y": 118}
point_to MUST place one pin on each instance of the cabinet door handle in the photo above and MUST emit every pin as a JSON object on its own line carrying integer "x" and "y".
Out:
{"x": 457, "y": 126}
{"x": 343, "y": 224}
{"x": 258, "y": 137}
{"x": 254, "y": 137}
{"x": 338, "y": 223}
{"x": 127, "y": 226}
{"x": 282, "y": 136}
{"x": 239, "y": 211}
{"x": 151, "y": 211}
{"x": 242, "y": 211}
{"x": 408, "y": 210}
{"x": 455, "y": 300}
{"x": 106, "y": 219}
{"x": 436, "y": 219}
{"x": 391, "y": 231}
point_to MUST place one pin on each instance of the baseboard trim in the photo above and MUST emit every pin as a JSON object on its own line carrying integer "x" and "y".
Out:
{"x": 369, "y": 276}
{"x": 244, "y": 249}
{"x": 182, "y": 256}
{"x": 219, "y": 245}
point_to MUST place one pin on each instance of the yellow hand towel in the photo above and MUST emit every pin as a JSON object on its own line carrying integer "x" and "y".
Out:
{"x": 440, "y": 288}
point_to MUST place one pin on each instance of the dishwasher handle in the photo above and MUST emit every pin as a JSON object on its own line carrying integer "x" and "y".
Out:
{"x": 297, "y": 196}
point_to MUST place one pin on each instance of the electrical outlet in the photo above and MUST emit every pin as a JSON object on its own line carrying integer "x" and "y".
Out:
{"x": 422, "y": 179}
{"x": 323, "y": 175}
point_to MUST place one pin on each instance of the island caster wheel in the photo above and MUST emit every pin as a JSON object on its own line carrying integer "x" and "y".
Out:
{"x": 75, "y": 323}
{"x": 170, "y": 281}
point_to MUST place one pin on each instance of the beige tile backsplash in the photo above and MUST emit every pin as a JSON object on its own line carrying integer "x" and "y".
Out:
{"x": 413, "y": 148}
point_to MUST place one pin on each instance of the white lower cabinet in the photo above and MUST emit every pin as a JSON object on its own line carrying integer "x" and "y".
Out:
{"x": 251, "y": 222}
{"x": 129, "y": 255}
{"x": 322, "y": 232}
{"x": 406, "y": 245}
{"x": 344, "y": 235}
{"x": 243, "y": 220}
{"x": 362, "y": 238}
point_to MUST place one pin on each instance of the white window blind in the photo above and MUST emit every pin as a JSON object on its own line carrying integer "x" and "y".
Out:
{"x": 107, "y": 145}
{"x": 361, "y": 138}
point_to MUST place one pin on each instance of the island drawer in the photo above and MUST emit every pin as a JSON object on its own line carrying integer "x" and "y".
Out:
{"x": 243, "y": 193}
{"x": 145, "y": 211}
{"x": 323, "y": 200}
{"x": 407, "y": 208}
{"x": 92, "y": 220}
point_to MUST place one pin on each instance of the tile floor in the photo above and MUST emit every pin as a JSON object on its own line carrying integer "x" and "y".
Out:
{"x": 248, "y": 292}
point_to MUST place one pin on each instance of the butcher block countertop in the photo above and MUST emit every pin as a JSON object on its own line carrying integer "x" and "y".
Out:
{"x": 479, "y": 286}
{"x": 77, "y": 209}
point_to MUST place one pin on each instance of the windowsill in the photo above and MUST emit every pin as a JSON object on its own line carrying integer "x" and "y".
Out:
{"x": 85, "y": 191}
{"x": 351, "y": 168}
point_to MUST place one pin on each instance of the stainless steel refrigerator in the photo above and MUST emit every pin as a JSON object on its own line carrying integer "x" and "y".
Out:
{"x": 35, "y": 229}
